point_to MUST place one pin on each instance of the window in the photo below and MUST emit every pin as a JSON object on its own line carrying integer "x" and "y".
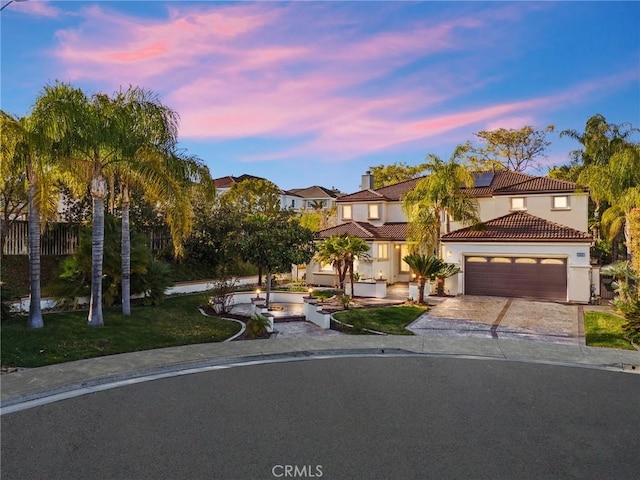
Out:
{"x": 293, "y": 203}
{"x": 517, "y": 203}
{"x": 383, "y": 251}
{"x": 374, "y": 212}
{"x": 526, "y": 260}
{"x": 404, "y": 251}
{"x": 346, "y": 212}
{"x": 561, "y": 203}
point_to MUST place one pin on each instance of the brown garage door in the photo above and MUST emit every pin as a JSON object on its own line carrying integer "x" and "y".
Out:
{"x": 544, "y": 278}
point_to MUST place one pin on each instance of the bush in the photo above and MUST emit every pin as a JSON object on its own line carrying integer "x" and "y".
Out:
{"x": 221, "y": 295}
{"x": 155, "y": 282}
{"x": 345, "y": 300}
{"x": 257, "y": 326}
{"x": 6, "y": 296}
{"x": 148, "y": 276}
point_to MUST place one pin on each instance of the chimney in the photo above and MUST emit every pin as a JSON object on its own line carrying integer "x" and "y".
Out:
{"x": 367, "y": 181}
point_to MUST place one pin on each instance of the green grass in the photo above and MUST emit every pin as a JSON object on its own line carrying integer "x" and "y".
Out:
{"x": 391, "y": 320}
{"x": 602, "y": 329}
{"x": 67, "y": 337}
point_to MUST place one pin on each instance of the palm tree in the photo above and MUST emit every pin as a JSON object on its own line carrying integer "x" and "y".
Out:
{"x": 93, "y": 135}
{"x": 330, "y": 252}
{"x": 27, "y": 148}
{"x": 436, "y": 196}
{"x": 425, "y": 267}
{"x": 340, "y": 252}
{"x": 618, "y": 184}
{"x": 152, "y": 131}
{"x": 354, "y": 247}
{"x": 600, "y": 141}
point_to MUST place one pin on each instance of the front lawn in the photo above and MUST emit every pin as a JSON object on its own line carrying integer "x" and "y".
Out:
{"x": 391, "y": 320}
{"x": 602, "y": 329}
{"x": 67, "y": 337}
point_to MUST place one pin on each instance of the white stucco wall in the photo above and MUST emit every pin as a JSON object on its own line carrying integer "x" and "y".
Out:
{"x": 578, "y": 267}
{"x": 537, "y": 205}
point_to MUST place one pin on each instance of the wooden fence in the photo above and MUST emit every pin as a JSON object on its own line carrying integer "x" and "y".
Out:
{"x": 62, "y": 239}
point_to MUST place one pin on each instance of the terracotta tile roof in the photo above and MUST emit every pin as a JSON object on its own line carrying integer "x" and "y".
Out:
{"x": 226, "y": 182}
{"x": 518, "y": 227}
{"x": 537, "y": 184}
{"x": 366, "y": 231}
{"x": 504, "y": 182}
{"x": 391, "y": 192}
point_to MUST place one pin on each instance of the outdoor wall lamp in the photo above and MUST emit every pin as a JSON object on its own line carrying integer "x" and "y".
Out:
{"x": 257, "y": 293}
{"x": 380, "y": 274}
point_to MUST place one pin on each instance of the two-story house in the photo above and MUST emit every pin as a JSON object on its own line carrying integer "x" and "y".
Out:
{"x": 534, "y": 240}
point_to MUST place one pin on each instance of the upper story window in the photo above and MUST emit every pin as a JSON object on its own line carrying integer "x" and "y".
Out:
{"x": 561, "y": 202}
{"x": 517, "y": 203}
{"x": 346, "y": 212}
{"x": 374, "y": 212}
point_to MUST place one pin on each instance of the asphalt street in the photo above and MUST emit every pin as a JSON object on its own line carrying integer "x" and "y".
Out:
{"x": 340, "y": 418}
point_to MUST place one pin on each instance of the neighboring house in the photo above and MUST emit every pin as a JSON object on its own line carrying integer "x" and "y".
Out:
{"x": 316, "y": 197}
{"x": 288, "y": 200}
{"x": 295, "y": 199}
{"x": 534, "y": 242}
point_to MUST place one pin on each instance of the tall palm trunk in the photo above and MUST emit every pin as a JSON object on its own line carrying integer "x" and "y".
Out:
{"x": 126, "y": 253}
{"x": 98, "y": 193}
{"x": 35, "y": 312}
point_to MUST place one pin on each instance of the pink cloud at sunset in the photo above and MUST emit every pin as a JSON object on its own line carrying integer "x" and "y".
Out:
{"x": 261, "y": 81}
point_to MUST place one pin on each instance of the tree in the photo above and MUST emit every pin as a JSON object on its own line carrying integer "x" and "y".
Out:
{"x": 92, "y": 138}
{"x": 354, "y": 248}
{"x": 254, "y": 196}
{"x": 147, "y": 150}
{"x": 425, "y": 267}
{"x": 319, "y": 219}
{"x": 341, "y": 252}
{"x": 437, "y": 195}
{"x": 27, "y": 154}
{"x": 274, "y": 243}
{"x": 599, "y": 142}
{"x": 384, "y": 175}
{"x": 510, "y": 149}
{"x": 618, "y": 184}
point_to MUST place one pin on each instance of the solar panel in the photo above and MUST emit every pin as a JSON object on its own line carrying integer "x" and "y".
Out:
{"x": 483, "y": 179}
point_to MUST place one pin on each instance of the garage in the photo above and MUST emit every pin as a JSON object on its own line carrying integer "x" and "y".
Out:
{"x": 530, "y": 277}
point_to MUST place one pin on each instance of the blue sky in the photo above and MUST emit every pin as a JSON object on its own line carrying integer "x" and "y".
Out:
{"x": 314, "y": 93}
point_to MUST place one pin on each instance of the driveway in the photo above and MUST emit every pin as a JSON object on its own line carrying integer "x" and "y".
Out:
{"x": 498, "y": 317}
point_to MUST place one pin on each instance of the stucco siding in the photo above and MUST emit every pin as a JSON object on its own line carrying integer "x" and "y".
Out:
{"x": 577, "y": 255}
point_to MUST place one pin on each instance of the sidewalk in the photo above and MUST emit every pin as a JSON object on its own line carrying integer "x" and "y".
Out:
{"x": 30, "y": 384}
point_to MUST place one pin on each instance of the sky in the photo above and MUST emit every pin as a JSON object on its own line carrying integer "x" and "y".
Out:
{"x": 315, "y": 93}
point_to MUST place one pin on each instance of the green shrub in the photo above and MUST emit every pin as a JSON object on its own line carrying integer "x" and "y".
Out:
{"x": 74, "y": 280}
{"x": 6, "y": 295}
{"x": 154, "y": 282}
{"x": 257, "y": 326}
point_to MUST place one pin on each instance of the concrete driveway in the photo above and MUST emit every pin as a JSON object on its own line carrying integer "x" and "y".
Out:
{"x": 498, "y": 317}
